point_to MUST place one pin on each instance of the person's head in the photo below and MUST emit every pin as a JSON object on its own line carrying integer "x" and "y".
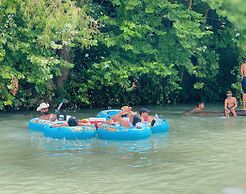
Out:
{"x": 126, "y": 109}
{"x": 229, "y": 93}
{"x": 43, "y": 107}
{"x": 201, "y": 105}
{"x": 72, "y": 121}
{"x": 144, "y": 112}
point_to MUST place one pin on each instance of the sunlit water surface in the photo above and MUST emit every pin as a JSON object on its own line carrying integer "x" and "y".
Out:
{"x": 200, "y": 155}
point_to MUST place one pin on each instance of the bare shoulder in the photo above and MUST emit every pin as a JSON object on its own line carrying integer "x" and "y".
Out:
{"x": 234, "y": 98}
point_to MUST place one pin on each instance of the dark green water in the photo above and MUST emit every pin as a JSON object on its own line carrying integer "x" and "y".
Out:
{"x": 200, "y": 155}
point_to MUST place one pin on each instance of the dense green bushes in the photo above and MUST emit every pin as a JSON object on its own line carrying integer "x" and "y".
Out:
{"x": 118, "y": 51}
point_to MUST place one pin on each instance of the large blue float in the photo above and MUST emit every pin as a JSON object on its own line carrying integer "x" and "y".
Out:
{"x": 37, "y": 124}
{"x": 63, "y": 132}
{"x": 108, "y": 113}
{"x": 118, "y": 132}
{"x": 160, "y": 125}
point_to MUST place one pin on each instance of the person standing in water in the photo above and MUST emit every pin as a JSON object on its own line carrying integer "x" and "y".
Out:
{"x": 230, "y": 104}
{"x": 243, "y": 75}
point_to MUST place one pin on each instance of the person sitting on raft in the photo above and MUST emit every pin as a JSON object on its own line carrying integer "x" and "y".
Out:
{"x": 145, "y": 117}
{"x": 125, "y": 117}
{"x": 71, "y": 122}
{"x": 199, "y": 108}
{"x": 44, "y": 109}
{"x": 230, "y": 104}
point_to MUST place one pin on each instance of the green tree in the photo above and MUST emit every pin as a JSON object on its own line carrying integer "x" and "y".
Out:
{"x": 36, "y": 38}
{"x": 235, "y": 12}
{"x": 152, "y": 44}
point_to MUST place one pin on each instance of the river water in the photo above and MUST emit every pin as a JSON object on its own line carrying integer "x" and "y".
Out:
{"x": 200, "y": 155}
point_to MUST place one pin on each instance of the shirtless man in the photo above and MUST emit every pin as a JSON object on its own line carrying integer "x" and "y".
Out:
{"x": 44, "y": 109}
{"x": 243, "y": 74}
{"x": 230, "y": 105}
{"x": 199, "y": 108}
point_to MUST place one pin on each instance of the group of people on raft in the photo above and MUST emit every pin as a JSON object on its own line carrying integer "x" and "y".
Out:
{"x": 126, "y": 117}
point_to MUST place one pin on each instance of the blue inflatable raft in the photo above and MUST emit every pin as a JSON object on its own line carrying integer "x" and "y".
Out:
{"x": 160, "y": 126}
{"x": 63, "y": 132}
{"x": 118, "y": 132}
{"x": 37, "y": 124}
{"x": 108, "y": 113}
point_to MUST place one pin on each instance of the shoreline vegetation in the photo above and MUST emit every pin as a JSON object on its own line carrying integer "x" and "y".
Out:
{"x": 112, "y": 53}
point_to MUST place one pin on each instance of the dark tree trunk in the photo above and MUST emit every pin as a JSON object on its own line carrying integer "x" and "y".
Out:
{"x": 190, "y": 4}
{"x": 64, "y": 54}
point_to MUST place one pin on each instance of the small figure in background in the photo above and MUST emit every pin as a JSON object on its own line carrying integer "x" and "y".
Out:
{"x": 243, "y": 75}
{"x": 230, "y": 104}
{"x": 199, "y": 108}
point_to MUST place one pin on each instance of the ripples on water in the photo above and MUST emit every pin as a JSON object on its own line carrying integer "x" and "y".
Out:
{"x": 204, "y": 155}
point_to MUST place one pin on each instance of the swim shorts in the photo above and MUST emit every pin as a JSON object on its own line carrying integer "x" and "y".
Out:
{"x": 244, "y": 84}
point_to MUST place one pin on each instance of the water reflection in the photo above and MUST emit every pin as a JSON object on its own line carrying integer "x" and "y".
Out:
{"x": 61, "y": 147}
{"x": 200, "y": 155}
{"x": 234, "y": 190}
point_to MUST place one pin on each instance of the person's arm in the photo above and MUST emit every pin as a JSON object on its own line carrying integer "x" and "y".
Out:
{"x": 235, "y": 102}
{"x": 122, "y": 121}
{"x": 225, "y": 106}
{"x": 193, "y": 111}
{"x": 142, "y": 119}
{"x": 241, "y": 70}
{"x": 188, "y": 112}
{"x": 131, "y": 115}
{"x": 52, "y": 117}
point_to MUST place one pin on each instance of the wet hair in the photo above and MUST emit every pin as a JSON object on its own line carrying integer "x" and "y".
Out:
{"x": 142, "y": 110}
{"x": 229, "y": 92}
{"x": 198, "y": 104}
{"x": 72, "y": 121}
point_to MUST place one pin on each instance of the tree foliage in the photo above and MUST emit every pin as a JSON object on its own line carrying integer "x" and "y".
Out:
{"x": 153, "y": 45}
{"x": 32, "y": 38}
{"x": 234, "y": 11}
{"x": 114, "y": 52}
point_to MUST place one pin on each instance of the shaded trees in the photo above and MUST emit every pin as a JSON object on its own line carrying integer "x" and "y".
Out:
{"x": 35, "y": 43}
{"x": 113, "y": 52}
